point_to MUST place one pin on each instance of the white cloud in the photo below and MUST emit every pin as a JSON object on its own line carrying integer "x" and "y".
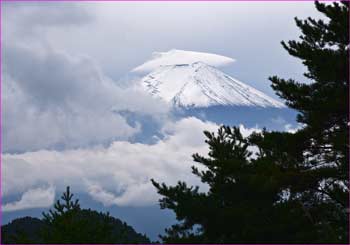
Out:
{"x": 135, "y": 195}
{"x": 26, "y": 20}
{"x": 248, "y": 131}
{"x": 33, "y": 198}
{"x": 52, "y": 99}
{"x": 119, "y": 174}
{"x": 176, "y": 57}
{"x": 291, "y": 129}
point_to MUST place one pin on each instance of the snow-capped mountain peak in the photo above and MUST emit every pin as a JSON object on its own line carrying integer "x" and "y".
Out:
{"x": 192, "y": 79}
{"x": 198, "y": 84}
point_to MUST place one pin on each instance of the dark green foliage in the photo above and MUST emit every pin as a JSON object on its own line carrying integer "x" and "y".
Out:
{"x": 68, "y": 223}
{"x": 295, "y": 189}
{"x": 22, "y": 230}
{"x": 323, "y": 107}
{"x": 244, "y": 203}
{"x": 60, "y": 209}
{"x": 87, "y": 226}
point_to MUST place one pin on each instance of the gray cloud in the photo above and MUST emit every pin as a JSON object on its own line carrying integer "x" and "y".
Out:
{"x": 52, "y": 99}
{"x": 34, "y": 18}
{"x": 122, "y": 35}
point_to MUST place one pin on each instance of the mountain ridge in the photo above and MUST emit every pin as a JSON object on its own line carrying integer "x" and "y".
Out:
{"x": 201, "y": 85}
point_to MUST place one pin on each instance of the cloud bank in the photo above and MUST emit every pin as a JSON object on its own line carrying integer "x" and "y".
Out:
{"x": 117, "y": 175}
{"x": 55, "y": 100}
{"x": 33, "y": 198}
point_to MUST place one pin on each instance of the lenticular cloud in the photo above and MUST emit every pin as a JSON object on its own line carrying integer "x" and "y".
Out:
{"x": 175, "y": 57}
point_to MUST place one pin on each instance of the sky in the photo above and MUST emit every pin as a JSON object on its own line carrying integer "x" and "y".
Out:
{"x": 62, "y": 64}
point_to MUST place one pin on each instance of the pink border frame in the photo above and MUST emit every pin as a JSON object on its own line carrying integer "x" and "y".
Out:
{"x": 118, "y": 1}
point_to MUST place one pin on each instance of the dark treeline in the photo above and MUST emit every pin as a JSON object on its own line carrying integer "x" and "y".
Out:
{"x": 68, "y": 223}
{"x": 270, "y": 187}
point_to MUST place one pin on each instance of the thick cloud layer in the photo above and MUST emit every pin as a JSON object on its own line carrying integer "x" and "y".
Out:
{"x": 55, "y": 100}
{"x": 117, "y": 175}
{"x": 51, "y": 99}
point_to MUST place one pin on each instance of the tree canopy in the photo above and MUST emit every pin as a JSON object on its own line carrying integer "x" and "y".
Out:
{"x": 68, "y": 223}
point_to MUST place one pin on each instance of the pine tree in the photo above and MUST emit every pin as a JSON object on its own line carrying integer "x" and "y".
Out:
{"x": 68, "y": 223}
{"x": 323, "y": 107}
{"x": 62, "y": 220}
{"x": 60, "y": 209}
{"x": 295, "y": 189}
{"x": 246, "y": 200}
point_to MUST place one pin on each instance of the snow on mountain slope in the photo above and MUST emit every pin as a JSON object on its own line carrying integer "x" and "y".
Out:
{"x": 200, "y": 85}
{"x": 175, "y": 57}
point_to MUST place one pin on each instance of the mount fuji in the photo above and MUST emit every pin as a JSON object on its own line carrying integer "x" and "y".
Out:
{"x": 192, "y": 80}
{"x": 194, "y": 86}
